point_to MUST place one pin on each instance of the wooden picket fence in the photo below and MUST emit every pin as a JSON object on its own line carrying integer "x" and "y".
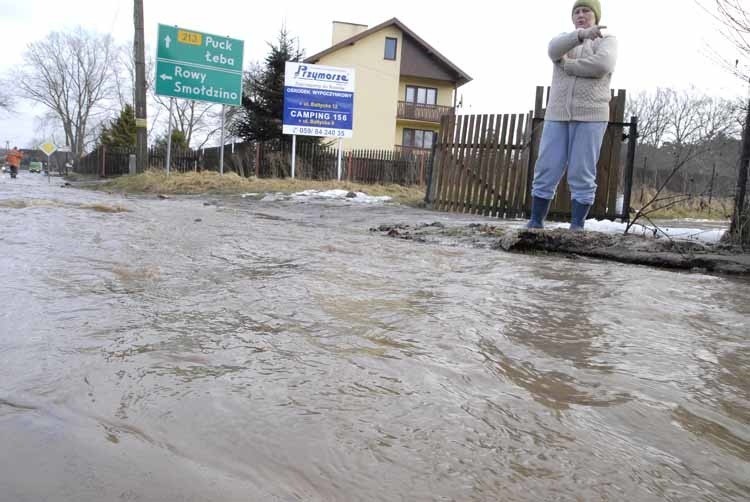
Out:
{"x": 484, "y": 164}
{"x": 480, "y": 165}
{"x": 108, "y": 162}
{"x": 400, "y": 166}
{"x": 272, "y": 159}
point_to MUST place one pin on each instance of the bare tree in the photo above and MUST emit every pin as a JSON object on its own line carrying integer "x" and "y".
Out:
{"x": 739, "y": 231}
{"x": 685, "y": 124}
{"x": 733, "y": 17}
{"x": 125, "y": 85}
{"x": 653, "y": 117}
{"x": 70, "y": 73}
{"x": 652, "y": 111}
{"x": 46, "y": 128}
{"x": 6, "y": 101}
{"x": 197, "y": 121}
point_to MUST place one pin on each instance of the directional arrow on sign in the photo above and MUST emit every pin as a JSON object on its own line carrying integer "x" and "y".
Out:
{"x": 181, "y": 55}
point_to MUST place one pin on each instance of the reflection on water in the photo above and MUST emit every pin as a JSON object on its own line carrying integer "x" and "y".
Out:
{"x": 248, "y": 350}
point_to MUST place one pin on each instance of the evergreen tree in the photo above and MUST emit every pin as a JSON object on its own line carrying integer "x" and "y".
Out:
{"x": 261, "y": 115}
{"x": 121, "y": 131}
{"x": 179, "y": 141}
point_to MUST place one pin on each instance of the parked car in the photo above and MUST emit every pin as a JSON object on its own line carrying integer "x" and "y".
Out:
{"x": 35, "y": 167}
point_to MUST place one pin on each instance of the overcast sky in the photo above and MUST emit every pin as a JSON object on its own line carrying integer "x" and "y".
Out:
{"x": 502, "y": 45}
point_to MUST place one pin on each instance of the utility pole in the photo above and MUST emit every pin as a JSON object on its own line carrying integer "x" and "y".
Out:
{"x": 141, "y": 139}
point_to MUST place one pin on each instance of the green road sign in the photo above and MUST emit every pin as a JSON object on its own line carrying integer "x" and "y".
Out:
{"x": 200, "y": 83}
{"x": 199, "y": 66}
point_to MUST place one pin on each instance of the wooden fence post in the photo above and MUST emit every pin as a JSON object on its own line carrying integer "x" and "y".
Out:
{"x": 257, "y": 159}
{"x": 103, "y": 168}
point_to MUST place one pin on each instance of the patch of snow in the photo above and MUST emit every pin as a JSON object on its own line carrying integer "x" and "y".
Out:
{"x": 344, "y": 195}
{"x": 328, "y": 195}
{"x": 690, "y": 234}
{"x": 710, "y": 236}
{"x": 713, "y": 222}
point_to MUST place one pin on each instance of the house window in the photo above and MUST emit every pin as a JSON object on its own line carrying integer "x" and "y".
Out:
{"x": 417, "y": 138}
{"x": 421, "y": 95}
{"x": 390, "y": 48}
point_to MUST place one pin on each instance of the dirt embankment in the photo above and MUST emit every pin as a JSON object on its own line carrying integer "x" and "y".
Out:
{"x": 632, "y": 249}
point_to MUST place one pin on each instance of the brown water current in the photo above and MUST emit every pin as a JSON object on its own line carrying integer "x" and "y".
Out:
{"x": 234, "y": 349}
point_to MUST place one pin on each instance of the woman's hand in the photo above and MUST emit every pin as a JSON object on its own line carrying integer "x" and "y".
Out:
{"x": 591, "y": 33}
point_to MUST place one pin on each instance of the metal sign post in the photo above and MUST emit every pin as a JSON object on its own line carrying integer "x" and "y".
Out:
{"x": 48, "y": 148}
{"x": 221, "y": 150}
{"x": 339, "y": 163}
{"x": 67, "y": 150}
{"x": 294, "y": 152}
{"x": 169, "y": 136}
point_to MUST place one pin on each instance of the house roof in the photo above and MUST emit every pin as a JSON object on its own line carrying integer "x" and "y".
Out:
{"x": 461, "y": 76}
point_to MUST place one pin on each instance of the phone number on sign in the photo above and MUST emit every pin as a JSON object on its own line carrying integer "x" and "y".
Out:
{"x": 317, "y": 131}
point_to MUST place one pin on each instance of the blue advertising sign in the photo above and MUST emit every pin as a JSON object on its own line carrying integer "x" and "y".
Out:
{"x": 318, "y": 100}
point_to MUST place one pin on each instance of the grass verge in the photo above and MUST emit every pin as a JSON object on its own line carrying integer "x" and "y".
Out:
{"x": 696, "y": 207}
{"x": 209, "y": 182}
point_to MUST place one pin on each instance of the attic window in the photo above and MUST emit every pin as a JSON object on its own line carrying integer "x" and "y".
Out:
{"x": 390, "y": 48}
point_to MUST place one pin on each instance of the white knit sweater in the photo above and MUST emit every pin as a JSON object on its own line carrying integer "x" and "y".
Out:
{"x": 580, "y": 83}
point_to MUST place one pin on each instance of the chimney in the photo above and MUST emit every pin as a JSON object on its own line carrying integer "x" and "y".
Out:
{"x": 342, "y": 31}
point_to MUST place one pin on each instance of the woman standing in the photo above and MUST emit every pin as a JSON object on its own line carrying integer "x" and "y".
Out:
{"x": 577, "y": 114}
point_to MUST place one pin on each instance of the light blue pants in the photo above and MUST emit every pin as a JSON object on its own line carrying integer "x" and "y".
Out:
{"x": 574, "y": 145}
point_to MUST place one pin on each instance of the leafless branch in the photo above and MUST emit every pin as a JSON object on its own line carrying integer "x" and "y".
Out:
{"x": 72, "y": 75}
{"x": 685, "y": 124}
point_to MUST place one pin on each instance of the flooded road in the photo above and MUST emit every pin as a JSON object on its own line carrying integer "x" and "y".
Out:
{"x": 197, "y": 349}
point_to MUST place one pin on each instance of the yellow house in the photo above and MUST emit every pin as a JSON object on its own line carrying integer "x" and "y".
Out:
{"x": 403, "y": 86}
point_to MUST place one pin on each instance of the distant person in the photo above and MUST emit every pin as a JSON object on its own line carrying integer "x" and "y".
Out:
{"x": 577, "y": 114}
{"x": 13, "y": 158}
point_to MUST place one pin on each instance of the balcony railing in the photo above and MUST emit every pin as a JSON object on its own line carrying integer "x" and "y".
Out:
{"x": 423, "y": 113}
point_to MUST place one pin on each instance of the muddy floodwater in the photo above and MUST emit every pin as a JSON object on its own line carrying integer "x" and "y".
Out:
{"x": 234, "y": 349}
